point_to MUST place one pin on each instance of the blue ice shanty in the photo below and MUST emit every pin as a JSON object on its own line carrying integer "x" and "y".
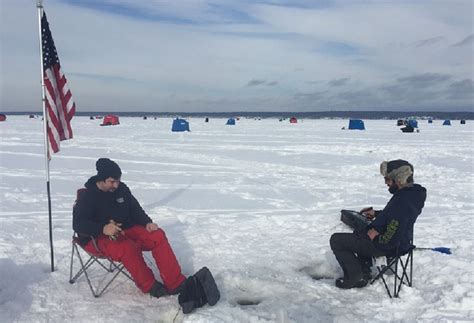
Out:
{"x": 412, "y": 123}
{"x": 180, "y": 125}
{"x": 356, "y": 124}
{"x": 447, "y": 122}
{"x": 430, "y": 120}
{"x": 231, "y": 122}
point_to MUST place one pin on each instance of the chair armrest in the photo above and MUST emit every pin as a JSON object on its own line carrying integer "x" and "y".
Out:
{"x": 76, "y": 237}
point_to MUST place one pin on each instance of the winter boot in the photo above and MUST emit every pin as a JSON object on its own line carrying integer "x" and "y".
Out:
{"x": 178, "y": 289}
{"x": 366, "y": 266}
{"x": 199, "y": 289}
{"x": 192, "y": 295}
{"x": 209, "y": 285}
{"x": 348, "y": 284}
{"x": 158, "y": 290}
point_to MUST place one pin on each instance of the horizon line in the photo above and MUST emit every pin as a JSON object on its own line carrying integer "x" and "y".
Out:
{"x": 247, "y": 112}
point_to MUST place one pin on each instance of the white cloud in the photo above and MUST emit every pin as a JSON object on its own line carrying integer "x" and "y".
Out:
{"x": 115, "y": 60}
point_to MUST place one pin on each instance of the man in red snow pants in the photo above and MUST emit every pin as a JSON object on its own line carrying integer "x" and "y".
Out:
{"x": 109, "y": 212}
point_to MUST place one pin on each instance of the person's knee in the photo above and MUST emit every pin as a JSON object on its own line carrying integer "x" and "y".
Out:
{"x": 334, "y": 240}
{"x": 158, "y": 235}
{"x": 128, "y": 248}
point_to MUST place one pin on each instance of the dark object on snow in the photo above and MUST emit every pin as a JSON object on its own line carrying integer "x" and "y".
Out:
{"x": 246, "y": 302}
{"x": 356, "y": 124}
{"x": 463, "y": 121}
{"x": 207, "y": 120}
{"x": 408, "y": 128}
{"x": 430, "y": 120}
{"x": 354, "y": 219}
{"x": 180, "y": 125}
{"x": 199, "y": 289}
{"x": 158, "y": 290}
{"x": 400, "y": 122}
{"x": 447, "y": 122}
{"x": 231, "y": 122}
{"x": 444, "y": 250}
{"x": 3, "y": 117}
{"x": 412, "y": 122}
{"x": 293, "y": 120}
{"x": 145, "y": 117}
{"x": 347, "y": 284}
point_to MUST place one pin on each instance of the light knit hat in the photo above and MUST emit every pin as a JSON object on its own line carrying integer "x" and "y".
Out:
{"x": 398, "y": 170}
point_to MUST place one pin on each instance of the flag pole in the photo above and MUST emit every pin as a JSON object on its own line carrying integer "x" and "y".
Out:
{"x": 39, "y": 5}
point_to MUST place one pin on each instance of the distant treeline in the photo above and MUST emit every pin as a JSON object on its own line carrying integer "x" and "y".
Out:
{"x": 302, "y": 115}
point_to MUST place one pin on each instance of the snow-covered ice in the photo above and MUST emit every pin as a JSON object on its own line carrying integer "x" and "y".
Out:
{"x": 255, "y": 202}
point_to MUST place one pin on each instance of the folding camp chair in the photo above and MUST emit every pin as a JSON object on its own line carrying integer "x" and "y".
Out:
{"x": 400, "y": 268}
{"x": 94, "y": 258}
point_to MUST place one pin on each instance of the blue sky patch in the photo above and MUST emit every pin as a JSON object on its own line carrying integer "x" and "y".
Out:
{"x": 134, "y": 12}
{"x": 338, "y": 49}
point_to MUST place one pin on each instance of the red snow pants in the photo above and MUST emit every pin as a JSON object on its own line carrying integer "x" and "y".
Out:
{"x": 128, "y": 248}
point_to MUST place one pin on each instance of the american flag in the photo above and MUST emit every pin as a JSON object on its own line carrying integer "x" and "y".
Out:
{"x": 60, "y": 106}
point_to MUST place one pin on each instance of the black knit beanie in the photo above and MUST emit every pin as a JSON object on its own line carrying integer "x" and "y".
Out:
{"x": 107, "y": 168}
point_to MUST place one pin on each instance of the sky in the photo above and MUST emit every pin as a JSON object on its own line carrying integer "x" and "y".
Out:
{"x": 244, "y": 55}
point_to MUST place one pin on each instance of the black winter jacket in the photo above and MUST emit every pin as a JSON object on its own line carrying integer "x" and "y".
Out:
{"x": 396, "y": 221}
{"x": 95, "y": 208}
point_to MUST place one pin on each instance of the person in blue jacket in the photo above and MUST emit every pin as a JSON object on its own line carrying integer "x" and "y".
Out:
{"x": 390, "y": 231}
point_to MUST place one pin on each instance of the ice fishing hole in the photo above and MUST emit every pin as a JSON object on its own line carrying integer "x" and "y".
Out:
{"x": 248, "y": 302}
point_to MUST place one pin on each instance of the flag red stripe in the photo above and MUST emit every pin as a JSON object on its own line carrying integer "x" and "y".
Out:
{"x": 60, "y": 106}
{"x": 57, "y": 103}
{"x": 54, "y": 146}
{"x": 65, "y": 123}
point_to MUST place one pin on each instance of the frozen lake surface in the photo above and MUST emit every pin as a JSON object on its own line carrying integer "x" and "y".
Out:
{"x": 255, "y": 202}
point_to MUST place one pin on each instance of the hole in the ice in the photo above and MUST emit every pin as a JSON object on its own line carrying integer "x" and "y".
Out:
{"x": 248, "y": 302}
{"x": 314, "y": 274}
{"x": 319, "y": 277}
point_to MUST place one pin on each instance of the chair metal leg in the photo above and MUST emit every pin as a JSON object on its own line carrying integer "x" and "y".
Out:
{"x": 112, "y": 266}
{"x": 411, "y": 269}
{"x": 70, "y": 267}
{"x": 395, "y": 286}
{"x": 399, "y": 279}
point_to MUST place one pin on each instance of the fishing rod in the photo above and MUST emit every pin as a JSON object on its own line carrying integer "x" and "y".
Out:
{"x": 444, "y": 250}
